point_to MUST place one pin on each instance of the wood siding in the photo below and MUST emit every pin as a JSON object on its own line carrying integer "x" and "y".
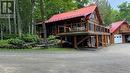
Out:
{"x": 121, "y": 30}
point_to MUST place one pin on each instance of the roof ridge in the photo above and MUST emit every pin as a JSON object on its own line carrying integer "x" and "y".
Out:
{"x": 74, "y": 10}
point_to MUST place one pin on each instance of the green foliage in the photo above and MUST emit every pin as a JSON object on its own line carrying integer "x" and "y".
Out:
{"x": 81, "y": 3}
{"x": 25, "y": 9}
{"x": 124, "y": 9}
{"x": 115, "y": 15}
{"x": 52, "y": 40}
{"x": 105, "y": 11}
{"x": 59, "y": 49}
{"x": 30, "y": 38}
{"x": 16, "y": 41}
{"x": 4, "y": 43}
{"x": 51, "y": 37}
{"x": 9, "y": 36}
{"x": 53, "y": 7}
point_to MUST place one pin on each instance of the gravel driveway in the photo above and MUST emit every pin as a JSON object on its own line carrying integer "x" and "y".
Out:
{"x": 112, "y": 59}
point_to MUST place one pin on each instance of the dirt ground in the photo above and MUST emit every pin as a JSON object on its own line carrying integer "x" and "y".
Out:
{"x": 112, "y": 59}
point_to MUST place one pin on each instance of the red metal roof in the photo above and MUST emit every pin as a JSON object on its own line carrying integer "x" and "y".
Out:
{"x": 72, "y": 14}
{"x": 114, "y": 26}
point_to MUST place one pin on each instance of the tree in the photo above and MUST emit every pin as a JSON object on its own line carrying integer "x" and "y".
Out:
{"x": 81, "y": 3}
{"x": 105, "y": 11}
{"x": 54, "y": 7}
{"x": 124, "y": 9}
{"x": 42, "y": 8}
{"x": 115, "y": 15}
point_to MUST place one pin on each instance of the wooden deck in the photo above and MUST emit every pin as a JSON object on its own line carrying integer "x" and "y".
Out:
{"x": 83, "y": 28}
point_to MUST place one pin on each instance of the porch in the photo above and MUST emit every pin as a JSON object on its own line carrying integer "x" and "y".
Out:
{"x": 82, "y": 28}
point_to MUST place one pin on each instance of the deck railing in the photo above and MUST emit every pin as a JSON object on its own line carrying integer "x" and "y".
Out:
{"x": 82, "y": 27}
{"x": 124, "y": 31}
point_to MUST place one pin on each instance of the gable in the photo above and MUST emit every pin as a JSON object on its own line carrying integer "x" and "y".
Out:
{"x": 94, "y": 18}
{"x": 119, "y": 26}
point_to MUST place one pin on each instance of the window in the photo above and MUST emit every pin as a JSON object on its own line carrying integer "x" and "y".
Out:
{"x": 92, "y": 17}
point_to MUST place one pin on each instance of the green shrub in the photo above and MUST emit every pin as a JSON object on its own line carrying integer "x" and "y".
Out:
{"x": 51, "y": 37}
{"x": 30, "y": 38}
{"x": 4, "y": 44}
{"x": 9, "y": 36}
{"x": 53, "y": 41}
{"x": 16, "y": 41}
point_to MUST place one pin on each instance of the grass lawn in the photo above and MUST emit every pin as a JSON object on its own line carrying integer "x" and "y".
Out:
{"x": 38, "y": 49}
{"x": 59, "y": 49}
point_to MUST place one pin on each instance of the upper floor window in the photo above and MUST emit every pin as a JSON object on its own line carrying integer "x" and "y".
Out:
{"x": 129, "y": 27}
{"x": 92, "y": 16}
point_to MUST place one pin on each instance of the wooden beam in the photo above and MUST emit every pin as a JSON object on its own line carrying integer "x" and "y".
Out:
{"x": 75, "y": 42}
{"x": 102, "y": 40}
{"x": 112, "y": 39}
{"x": 97, "y": 42}
{"x": 87, "y": 24}
{"x": 65, "y": 38}
{"x": 58, "y": 29}
{"x": 61, "y": 42}
{"x": 105, "y": 42}
{"x": 64, "y": 29}
{"x": 123, "y": 38}
{"x": 94, "y": 27}
{"x": 82, "y": 40}
{"x": 90, "y": 41}
{"x": 107, "y": 39}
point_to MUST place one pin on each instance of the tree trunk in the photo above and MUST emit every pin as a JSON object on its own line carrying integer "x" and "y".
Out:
{"x": 1, "y": 31}
{"x": 9, "y": 24}
{"x": 15, "y": 24}
{"x": 18, "y": 19}
{"x": 29, "y": 29}
{"x": 42, "y": 8}
{"x": 33, "y": 23}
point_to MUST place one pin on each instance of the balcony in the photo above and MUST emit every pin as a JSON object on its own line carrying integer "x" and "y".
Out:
{"x": 82, "y": 27}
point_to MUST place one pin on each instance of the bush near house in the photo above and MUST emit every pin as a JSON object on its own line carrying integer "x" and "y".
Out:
{"x": 4, "y": 44}
{"x": 30, "y": 38}
{"x": 16, "y": 43}
{"x": 27, "y": 41}
{"x": 52, "y": 40}
{"x": 9, "y": 36}
{"x": 13, "y": 41}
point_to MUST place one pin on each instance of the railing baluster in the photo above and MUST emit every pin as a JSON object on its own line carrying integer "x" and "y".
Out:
{"x": 85, "y": 26}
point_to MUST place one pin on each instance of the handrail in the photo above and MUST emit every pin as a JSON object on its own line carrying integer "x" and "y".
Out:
{"x": 82, "y": 26}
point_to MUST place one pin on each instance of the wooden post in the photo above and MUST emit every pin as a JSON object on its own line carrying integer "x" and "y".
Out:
{"x": 109, "y": 39}
{"x": 75, "y": 42}
{"x": 61, "y": 41}
{"x": 58, "y": 29}
{"x": 65, "y": 38}
{"x": 65, "y": 29}
{"x": 87, "y": 26}
{"x": 105, "y": 40}
{"x": 95, "y": 27}
{"x": 123, "y": 38}
{"x": 90, "y": 41}
{"x": 97, "y": 44}
{"x": 112, "y": 39}
{"x": 102, "y": 40}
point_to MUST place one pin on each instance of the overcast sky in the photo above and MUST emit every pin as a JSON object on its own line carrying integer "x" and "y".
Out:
{"x": 115, "y": 3}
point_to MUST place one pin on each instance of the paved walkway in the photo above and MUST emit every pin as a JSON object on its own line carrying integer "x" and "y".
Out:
{"x": 113, "y": 59}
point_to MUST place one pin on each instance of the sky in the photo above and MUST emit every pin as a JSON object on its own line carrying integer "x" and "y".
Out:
{"x": 115, "y": 3}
